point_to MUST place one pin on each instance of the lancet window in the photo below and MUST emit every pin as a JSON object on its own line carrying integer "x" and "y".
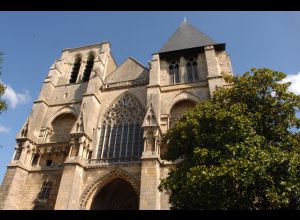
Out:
{"x": 75, "y": 70}
{"x": 45, "y": 190}
{"x": 88, "y": 68}
{"x": 174, "y": 72}
{"x": 192, "y": 70}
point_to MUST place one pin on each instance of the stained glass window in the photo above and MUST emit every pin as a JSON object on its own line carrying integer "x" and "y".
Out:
{"x": 121, "y": 132}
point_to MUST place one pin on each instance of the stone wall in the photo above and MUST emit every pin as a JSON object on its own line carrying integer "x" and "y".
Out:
{"x": 12, "y": 188}
{"x": 32, "y": 188}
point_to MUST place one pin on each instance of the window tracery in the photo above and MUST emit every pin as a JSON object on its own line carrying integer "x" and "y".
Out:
{"x": 45, "y": 190}
{"x": 192, "y": 70}
{"x": 174, "y": 72}
{"x": 121, "y": 134}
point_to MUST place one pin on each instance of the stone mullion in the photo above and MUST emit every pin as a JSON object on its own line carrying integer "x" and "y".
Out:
{"x": 182, "y": 71}
{"x": 133, "y": 138}
{"x": 108, "y": 145}
{"x": 104, "y": 138}
{"x": 115, "y": 141}
{"x": 128, "y": 130}
{"x": 97, "y": 150}
{"x": 195, "y": 70}
{"x": 121, "y": 141}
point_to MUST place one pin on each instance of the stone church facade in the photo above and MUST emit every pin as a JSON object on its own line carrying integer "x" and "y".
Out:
{"x": 93, "y": 137}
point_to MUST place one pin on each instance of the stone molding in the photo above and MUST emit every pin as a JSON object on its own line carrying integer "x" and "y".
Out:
{"x": 93, "y": 188}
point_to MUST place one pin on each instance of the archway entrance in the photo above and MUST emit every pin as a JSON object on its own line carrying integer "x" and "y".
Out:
{"x": 116, "y": 195}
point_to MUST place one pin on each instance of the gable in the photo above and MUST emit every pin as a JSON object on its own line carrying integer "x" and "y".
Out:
{"x": 129, "y": 70}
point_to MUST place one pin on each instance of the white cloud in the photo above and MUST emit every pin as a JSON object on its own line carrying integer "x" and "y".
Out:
{"x": 4, "y": 129}
{"x": 295, "y": 83}
{"x": 14, "y": 98}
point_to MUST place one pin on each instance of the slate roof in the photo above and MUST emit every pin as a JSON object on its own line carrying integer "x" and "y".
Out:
{"x": 186, "y": 36}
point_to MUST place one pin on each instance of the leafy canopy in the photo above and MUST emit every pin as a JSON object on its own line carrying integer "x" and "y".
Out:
{"x": 3, "y": 105}
{"x": 240, "y": 149}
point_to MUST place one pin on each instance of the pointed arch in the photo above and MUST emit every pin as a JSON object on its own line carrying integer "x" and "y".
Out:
{"x": 88, "y": 67}
{"x": 179, "y": 105}
{"x": 121, "y": 129}
{"x": 75, "y": 69}
{"x": 63, "y": 110}
{"x": 61, "y": 124}
{"x": 182, "y": 96}
{"x": 107, "y": 176}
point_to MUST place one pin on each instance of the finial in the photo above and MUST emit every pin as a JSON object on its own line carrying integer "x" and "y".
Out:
{"x": 184, "y": 19}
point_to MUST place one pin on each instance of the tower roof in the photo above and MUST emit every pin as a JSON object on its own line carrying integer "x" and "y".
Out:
{"x": 186, "y": 36}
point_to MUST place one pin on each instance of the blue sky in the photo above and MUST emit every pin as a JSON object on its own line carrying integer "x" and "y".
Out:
{"x": 32, "y": 41}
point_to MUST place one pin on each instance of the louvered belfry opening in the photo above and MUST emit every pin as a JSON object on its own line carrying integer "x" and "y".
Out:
{"x": 75, "y": 70}
{"x": 88, "y": 68}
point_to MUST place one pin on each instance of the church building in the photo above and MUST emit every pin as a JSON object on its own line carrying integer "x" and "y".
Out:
{"x": 93, "y": 139}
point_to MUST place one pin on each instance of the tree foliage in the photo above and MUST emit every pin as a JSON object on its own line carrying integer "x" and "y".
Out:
{"x": 3, "y": 105}
{"x": 240, "y": 149}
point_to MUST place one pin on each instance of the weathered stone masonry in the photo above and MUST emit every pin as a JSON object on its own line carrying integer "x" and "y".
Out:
{"x": 93, "y": 137}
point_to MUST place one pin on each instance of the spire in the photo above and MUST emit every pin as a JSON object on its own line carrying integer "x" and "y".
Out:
{"x": 186, "y": 36}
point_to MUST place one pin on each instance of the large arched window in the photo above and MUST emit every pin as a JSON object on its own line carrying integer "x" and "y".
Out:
{"x": 178, "y": 110}
{"x": 192, "y": 70}
{"x": 121, "y": 134}
{"x": 174, "y": 72}
{"x": 88, "y": 68}
{"x": 75, "y": 70}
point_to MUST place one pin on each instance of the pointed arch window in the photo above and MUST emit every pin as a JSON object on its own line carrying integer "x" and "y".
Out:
{"x": 75, "y": 70}
{"x": 174, "y": 72}
{"x": 88, "y": 68}
{"x": 45, "y": 190}
{"x": 121, "y": 134}
{"x": 192, "y": 70}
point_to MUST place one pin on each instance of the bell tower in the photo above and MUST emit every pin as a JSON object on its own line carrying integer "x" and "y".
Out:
{"x": 184, "y": 72}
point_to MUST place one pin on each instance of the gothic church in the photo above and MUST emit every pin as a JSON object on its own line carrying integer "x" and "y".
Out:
{"x": 93, "y": 137}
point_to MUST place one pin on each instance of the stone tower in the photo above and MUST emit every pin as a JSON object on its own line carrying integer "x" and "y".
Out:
{"x": 93, "y": 137}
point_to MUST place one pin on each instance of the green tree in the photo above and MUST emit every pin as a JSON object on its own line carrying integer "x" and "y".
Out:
{"x": 240, "y": 149}
{"x": 3, "y": 105}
